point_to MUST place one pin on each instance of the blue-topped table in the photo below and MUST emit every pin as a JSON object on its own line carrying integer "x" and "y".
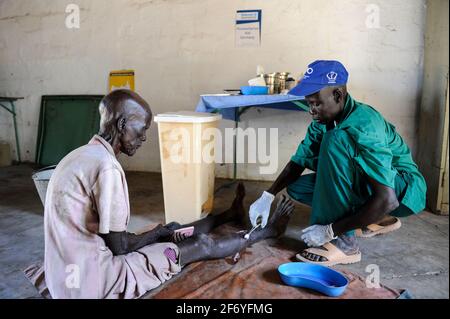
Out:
{"x": 233, "y": 106}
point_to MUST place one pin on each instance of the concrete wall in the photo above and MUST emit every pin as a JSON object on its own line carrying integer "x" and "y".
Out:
{"x": 183, "y": 48}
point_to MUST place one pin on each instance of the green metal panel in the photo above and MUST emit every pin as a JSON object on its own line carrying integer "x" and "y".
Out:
{"x": 66, "y": 122}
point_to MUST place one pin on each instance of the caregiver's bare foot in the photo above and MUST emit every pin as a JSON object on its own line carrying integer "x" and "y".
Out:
{"x": 384, "y": 222}
{"x": 387, "y": 220}
{"x": 347, "y": 244}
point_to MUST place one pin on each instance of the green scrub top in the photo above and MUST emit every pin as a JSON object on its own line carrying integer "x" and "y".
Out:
{"x": 381, "y": 151}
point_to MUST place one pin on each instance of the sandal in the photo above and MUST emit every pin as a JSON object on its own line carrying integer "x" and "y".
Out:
{"x": 378, "y": 229}
{"x": 333, "y": 255}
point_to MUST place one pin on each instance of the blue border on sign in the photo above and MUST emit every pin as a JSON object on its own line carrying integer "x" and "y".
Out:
{"x": 259, "y": 11}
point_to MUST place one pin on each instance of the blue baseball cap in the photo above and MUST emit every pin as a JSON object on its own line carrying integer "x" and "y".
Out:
{"x": 320, "y": 74}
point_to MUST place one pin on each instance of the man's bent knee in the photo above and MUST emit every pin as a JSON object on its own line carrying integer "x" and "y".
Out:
{"x": 298, "y": 196}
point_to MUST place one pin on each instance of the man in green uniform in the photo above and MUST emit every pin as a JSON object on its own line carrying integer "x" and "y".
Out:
{"x": 364, "y": 177}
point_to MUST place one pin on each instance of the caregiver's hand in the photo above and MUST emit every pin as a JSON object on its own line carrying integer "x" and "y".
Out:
{"x": 261, "y": 209}
{"x": 317, "y": 235}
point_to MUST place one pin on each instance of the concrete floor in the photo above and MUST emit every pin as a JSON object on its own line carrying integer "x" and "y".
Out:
{"x": 416, "y": 257}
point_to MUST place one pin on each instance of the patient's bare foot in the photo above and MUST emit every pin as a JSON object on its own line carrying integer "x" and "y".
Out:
{"x": 280, "y": 217}
{"x": 237, "y": 207}
{"x": 278, "y": 221}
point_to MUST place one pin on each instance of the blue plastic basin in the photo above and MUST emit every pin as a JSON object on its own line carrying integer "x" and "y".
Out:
{"x": 254, "y": 90}
{"x": 320, "y": 278}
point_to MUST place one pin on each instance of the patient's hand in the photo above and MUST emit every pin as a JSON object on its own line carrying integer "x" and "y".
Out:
{"x": 165, "y": 232}
{"x": 172, "y": 226}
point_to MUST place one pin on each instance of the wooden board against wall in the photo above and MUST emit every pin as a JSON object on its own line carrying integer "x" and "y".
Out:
{"x": 433, "y": 116}
{"x": 444, "y": 186}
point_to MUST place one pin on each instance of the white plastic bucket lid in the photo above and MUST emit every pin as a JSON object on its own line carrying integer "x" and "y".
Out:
{"x": 43, "y": 174}
{"x": 187, "y": 117}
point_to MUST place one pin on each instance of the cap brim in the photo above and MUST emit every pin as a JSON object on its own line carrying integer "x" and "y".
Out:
{"x": 304, "y": 89}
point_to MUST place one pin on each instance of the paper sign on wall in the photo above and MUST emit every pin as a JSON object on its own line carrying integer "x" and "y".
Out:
{"x": 248, "y": 28}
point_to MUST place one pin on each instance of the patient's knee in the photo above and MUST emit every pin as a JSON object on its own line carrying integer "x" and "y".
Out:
{"x": 205, "y": 243}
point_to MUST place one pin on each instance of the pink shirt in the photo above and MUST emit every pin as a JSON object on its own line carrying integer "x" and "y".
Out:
{"x": 87, "y": 195}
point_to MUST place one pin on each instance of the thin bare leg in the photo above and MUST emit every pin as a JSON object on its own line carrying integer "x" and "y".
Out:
{"x": 204, "y": 247}
{"x": 235, "y": 213}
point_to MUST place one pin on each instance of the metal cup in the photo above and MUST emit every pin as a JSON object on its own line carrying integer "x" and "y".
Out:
{"x": 273, "y": 82}
{"x": 282, "y": 81}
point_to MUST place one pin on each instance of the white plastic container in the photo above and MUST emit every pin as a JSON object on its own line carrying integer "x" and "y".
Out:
{"x": 187, "y": 174}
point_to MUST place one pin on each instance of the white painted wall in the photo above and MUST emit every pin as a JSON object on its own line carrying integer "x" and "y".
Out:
{"x": 183, "y": 48}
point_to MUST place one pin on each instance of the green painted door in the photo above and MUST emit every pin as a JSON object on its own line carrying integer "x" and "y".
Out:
{"x": 66, "y": 123}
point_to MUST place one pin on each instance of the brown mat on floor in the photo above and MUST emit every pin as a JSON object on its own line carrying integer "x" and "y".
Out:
{"x": 255, "y": 275}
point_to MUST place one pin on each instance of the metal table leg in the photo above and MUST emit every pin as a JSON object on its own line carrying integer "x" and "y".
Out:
{"x": 237, "y": 117}
{"x": 229, "y": 184}
{"x": 12, "y": 110}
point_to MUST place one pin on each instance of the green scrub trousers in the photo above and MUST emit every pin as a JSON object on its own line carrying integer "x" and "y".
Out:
{"x": 339, "y": 186}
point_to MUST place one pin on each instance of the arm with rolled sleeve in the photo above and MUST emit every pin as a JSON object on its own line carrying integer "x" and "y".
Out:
{"x": 112, "y": 208}
{"x": 110, "y": 201}
{"x": 306, "y": 156}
